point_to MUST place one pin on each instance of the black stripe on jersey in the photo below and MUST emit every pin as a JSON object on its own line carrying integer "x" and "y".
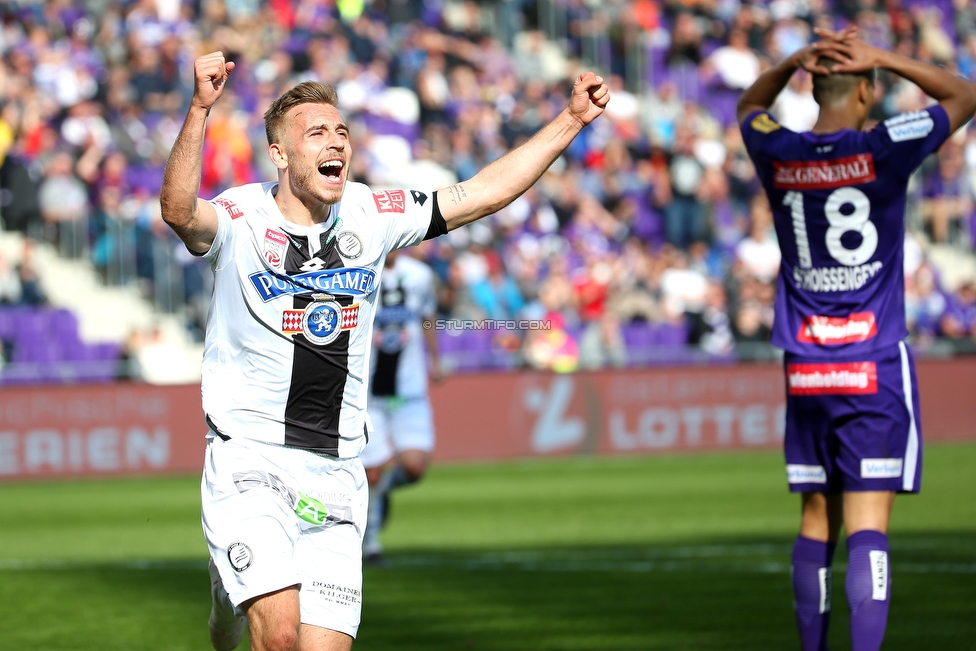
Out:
{"x": 318, "y": 374}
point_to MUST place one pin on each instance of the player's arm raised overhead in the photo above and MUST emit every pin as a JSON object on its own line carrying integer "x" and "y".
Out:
{"x": 193, "y": 219}
{"x": 763, "y": 92}
{"x": 503, "y": 180}
{"x": 955, "y": 94}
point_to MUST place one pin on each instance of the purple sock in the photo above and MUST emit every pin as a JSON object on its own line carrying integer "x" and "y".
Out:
{"x": 811, "y": 590}
{"x": 868, "y": 588}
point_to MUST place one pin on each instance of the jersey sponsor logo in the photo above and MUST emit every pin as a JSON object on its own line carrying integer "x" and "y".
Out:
{"x": 349, "y": 245}
{"x": 275, "y": 244}
{"x": 345, "y": 281}
{"x": 390, "y": 201}
{"x": 880, "y": 468}
{"x": 823, "y": 174}
{"x": 335, "y": 229}
{"x": 308, "y": 508}
{"x": 321, "y": 321}
{"x": 800, "y": 474}
{"x": 836, "y": 279}
{"x": 240, "y": 556}
{"x": 902, "y": 118}
{"x": 230, "y": 207}
{"x": 911, "y": 130}
{"x": 763, "y": 123}
{"x": 826, "y": 330}
{"x": 843, "y": 378}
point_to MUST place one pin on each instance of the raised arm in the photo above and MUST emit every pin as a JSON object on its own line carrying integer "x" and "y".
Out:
{"x": 764, "y": 91}
{"x": 192, "y": 218}
{"x": 955, "y": 94}
{"x": 502, "y": 181}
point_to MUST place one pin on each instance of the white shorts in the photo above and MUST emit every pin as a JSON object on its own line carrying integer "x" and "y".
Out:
{"x": 398, "y": 424}
{"x": 275, "y": 517}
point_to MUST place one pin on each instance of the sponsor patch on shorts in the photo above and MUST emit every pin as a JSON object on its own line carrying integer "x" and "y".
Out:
{"x": 845, "y": 378}
{"x": 800, "y": 474}
{"x": 880, "y": 468}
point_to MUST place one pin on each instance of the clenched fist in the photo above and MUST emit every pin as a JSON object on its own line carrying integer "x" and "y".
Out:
{"x": 590, "y": 97}
{"x": 210, "y": 72}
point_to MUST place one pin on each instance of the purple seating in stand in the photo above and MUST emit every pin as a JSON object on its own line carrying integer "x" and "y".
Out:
{"x": 45, "y": 348}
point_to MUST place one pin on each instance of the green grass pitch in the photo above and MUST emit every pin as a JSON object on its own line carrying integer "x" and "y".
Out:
{"x": 666, "y": 552}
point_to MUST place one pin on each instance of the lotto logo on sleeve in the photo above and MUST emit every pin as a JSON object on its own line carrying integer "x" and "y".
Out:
{"x": 823, "y": 174}
{"x": 827, "y": 330}
{"x": 390, "y": 201}
{"x": 845, "y": 378}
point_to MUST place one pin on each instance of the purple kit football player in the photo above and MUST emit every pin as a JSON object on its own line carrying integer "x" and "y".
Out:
{"x": 838, "y": 194}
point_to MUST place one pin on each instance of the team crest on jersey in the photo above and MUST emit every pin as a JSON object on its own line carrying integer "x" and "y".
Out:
{"x": 390, "y": 201}
{"x": 275, "y": 244}
{"x": 322, "y": 320}
{"x": 240, "y": 556}
{"x": 764, "y": 124}
{"x": 349, "y": 245}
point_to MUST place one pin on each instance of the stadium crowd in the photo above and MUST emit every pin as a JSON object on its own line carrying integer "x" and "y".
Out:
{"x": 653, "y": 220}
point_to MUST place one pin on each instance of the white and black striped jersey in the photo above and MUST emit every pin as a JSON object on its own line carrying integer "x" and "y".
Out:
{"x": 407, "y": 297}
{"x": 288, "y": 335}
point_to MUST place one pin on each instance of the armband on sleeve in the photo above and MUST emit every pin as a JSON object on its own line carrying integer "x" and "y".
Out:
{"x": 438, "y": 225}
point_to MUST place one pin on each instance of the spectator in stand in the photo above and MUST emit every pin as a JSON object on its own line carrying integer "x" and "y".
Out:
{"x": 497, "y": 294}
{"x": 948, "y": 197}
{"x": 759, "y": 252}
{"x": 959, "y": 320}
{"x": 10, "y": 289}
{"x": 734, "y": 65}
{"x": 686, "y": 41}
{"x": 603, "y": 345}
{"x": 795, "y": 107}
{"x": 924, "y": 304}
{"x": 63, "y": 200}
{"x": 32, "y": 293}
{"x": 710, "y": 329}
{"x": 684, "y": 216}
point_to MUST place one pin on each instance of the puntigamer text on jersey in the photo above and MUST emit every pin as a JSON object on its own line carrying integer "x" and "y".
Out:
{"x": 347, "y": 281}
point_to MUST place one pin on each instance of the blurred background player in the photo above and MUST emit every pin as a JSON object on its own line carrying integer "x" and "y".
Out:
{"x": 838, "y": 195}
{"x": 404, "y": 354}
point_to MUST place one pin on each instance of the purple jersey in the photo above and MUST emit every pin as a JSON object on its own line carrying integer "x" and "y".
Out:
{"x": 838, "y": 203}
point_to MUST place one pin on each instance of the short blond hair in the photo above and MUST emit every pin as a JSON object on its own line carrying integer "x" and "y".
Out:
{"x": 307, "y": 92}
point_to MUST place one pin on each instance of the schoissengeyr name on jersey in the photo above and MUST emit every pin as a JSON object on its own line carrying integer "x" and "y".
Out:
{"x": 346, "y": 281}
{"x": 836, "y": 279}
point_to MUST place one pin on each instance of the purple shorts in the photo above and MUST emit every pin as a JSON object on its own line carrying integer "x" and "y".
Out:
{"x": 853, "y": 424}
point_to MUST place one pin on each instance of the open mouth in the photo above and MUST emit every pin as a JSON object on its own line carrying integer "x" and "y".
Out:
{"x": 331, "y": 170}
